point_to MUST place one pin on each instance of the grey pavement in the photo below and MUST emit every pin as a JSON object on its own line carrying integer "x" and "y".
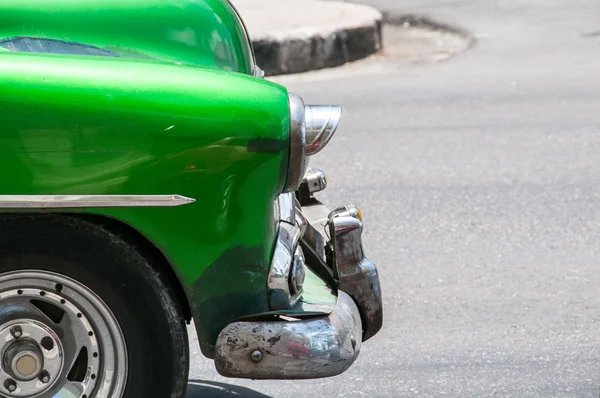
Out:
{"x": 479, "y": 178}
{"x": 292, "y": 36}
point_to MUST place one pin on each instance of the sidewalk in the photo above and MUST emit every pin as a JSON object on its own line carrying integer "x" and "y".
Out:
{"x": 293, "y": 36}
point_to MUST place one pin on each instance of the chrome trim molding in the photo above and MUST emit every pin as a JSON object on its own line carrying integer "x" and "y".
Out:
{"x": 287, "y": 208}
{"x": 280, "y": 295}
{"x": 298, "y": 160}
{"x": 90, "y": 201}
{"x": 259, "y": 73}
{"x": 285, "y": 291}
{"x": 246, "y": 35}
{"x": 316, "y": 232}
{"x": 302, "y": 349}
{"x": 358, "y": 276}
{"x": 297, "y": 275}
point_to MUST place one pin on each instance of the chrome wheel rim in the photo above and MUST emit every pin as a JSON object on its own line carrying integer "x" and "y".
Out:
{"x": 58, "y": 339}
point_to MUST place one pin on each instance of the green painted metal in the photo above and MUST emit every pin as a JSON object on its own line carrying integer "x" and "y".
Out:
{"x": 197, "y": 32}
{"x": 102, "y": 125}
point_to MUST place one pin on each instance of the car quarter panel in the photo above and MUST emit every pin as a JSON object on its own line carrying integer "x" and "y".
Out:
{"x": 104, "y": 126}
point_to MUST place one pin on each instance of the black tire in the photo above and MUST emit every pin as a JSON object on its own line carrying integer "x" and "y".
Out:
{"x": 137, "y": 293}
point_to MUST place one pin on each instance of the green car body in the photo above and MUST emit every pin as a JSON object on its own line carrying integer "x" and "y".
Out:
{"x": 180, "y": 123}
{"x": 109, "y": 127}
{"x": 111, "y": 98}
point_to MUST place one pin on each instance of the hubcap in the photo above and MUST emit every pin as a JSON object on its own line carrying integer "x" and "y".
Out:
{"x": 24, "y": 359}
{"x": 58, "y": 338}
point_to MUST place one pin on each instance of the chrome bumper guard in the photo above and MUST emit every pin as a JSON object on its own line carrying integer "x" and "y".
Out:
{"x": 325, "y": 346}
{"x": 354, "y": 272}
{"x": 358, "y": 276}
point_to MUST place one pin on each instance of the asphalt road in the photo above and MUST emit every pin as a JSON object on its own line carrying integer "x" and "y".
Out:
{"x": 479, "y": 179}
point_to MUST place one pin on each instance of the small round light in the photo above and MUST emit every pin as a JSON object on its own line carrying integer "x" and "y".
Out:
{"x": 355, "y": 212}
{"x": 359, "y": 214}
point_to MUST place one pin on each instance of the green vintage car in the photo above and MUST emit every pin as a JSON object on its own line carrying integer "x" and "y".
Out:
{"x": 153, "y": 178}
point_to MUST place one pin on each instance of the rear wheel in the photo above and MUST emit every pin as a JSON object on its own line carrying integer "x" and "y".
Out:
{"x": 83, "y": 315}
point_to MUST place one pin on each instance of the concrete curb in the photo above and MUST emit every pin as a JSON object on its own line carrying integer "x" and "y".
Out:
{"x": 355, "y": 32}
{"x": 303, "y": 54}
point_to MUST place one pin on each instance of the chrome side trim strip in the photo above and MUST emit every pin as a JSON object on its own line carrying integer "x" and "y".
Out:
{"x": 90, "y": 201}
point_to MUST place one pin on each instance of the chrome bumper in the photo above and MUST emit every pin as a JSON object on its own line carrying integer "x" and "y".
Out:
{"x": 303, "y": 349}
{"x": 270, "y": 346}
